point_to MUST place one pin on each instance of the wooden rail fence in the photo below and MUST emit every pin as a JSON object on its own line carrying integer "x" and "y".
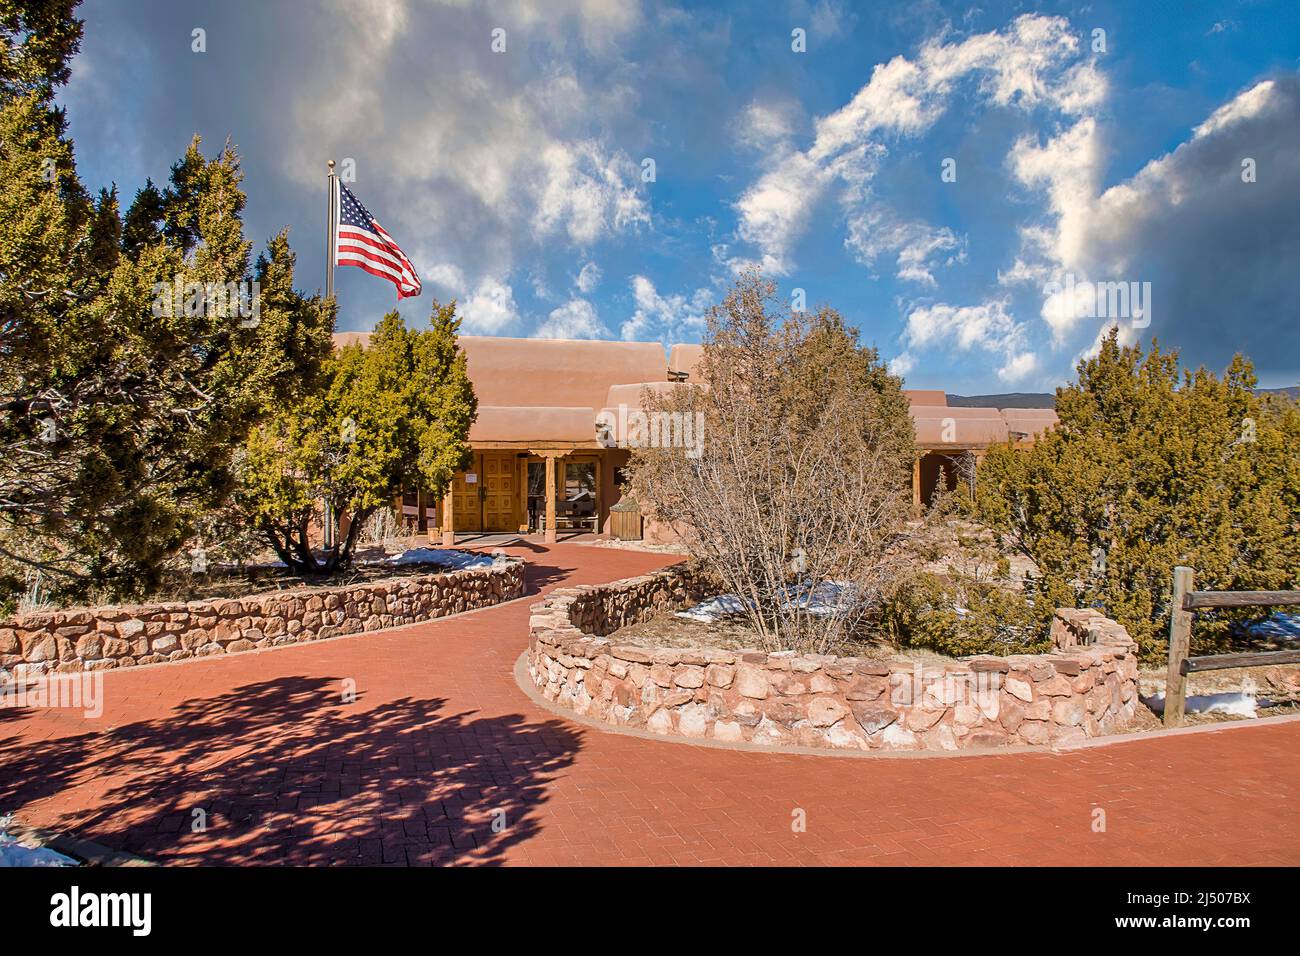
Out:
{"x": 1185, "y": 602}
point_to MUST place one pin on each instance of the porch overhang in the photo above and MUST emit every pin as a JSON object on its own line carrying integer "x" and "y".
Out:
{"x": 524, "y": 426}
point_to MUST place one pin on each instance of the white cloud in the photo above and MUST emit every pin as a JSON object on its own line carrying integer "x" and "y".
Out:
{"x": 776, "y": 209}
{"x": 1018, "y": 367}
{"x": 588, "y": 278}
{"x": 667, "y": 318}
{"x": 576, "y": 319}
{"x": 902, "y": 364}
{"x": 1218, "y": 250}
{"x": 1244, "y": 106}
{"x": 988, "y": 327}
{"x": 1067, "y": 169}
{"x": 767, "y": 125}
{"x": 490, "y": 309}
{"x": 493, "y": 141}
{"x": 1034, "y": 61}
{"x": 916, "y": 247}
{"x": 487, "y": 309}
{"x": 448, "y": 276}
{"x": 829, "y": 20}
{"x": 586, "y": 193}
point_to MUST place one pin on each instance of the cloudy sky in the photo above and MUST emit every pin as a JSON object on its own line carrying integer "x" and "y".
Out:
{"x": 957, "y": 179}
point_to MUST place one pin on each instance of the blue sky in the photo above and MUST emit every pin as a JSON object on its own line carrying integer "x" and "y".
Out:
{"x": 515, "y": 180}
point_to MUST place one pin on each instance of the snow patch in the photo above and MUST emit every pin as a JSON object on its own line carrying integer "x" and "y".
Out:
{"x": 1284, "y": 626}
{"x": 714, "y": 609}
{"x": 827, "y": 598}
{"x": 13, "y": 853}
{"x": 1234, "y": 704}
{"x": 447, "y": 557}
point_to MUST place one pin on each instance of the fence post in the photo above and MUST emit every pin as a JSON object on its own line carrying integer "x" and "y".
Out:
{"x": 1180, "y": 636}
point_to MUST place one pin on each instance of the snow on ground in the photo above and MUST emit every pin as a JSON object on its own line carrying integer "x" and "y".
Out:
{"x": 824, "y": 599}
{"x": 13, "y": 853}
{"x": 447, "y": 557}
{"x": 714, "y": 609}
{"x": 1283, "y": 627}
{"x": 1234, "y": 704}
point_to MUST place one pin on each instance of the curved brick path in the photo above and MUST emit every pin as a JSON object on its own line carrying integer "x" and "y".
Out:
{"x": 440, "y": 737}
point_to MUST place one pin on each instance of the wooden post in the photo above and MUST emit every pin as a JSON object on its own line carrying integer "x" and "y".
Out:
{"x": 916, "y": 487}
{"x": 550, "y": 499}
{"x": 1180, "y": 637}
{"x": 448, "y": 526}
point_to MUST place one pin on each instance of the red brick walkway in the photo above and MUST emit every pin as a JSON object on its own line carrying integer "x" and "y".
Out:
{"x": 441, "y": 743}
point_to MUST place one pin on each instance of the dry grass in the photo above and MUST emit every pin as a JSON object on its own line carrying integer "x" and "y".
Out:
{"x": 1152, "y": 680}
{"x": 733, "y": 633}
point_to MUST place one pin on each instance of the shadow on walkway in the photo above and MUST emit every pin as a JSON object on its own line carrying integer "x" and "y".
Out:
{"x": 285, "y": 772}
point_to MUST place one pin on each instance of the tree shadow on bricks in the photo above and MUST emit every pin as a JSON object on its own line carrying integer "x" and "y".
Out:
{"x": 283, "y": 771}
{"x": 539, "y": 576}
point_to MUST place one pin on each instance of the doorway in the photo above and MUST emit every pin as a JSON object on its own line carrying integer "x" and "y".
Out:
{"x": 499, "y": 491}
{"x": 467, "y": 510}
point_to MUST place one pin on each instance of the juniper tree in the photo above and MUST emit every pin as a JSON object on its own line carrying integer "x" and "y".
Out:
{"x": 1153, "y": 467}
{"x": 121, "y": 419}
{"x": 390, "y": 416}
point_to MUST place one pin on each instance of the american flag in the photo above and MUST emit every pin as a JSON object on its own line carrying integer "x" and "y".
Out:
{"x": 359, "y": 240}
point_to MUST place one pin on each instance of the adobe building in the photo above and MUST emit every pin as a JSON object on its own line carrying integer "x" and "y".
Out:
{"x": 543, "y": 462}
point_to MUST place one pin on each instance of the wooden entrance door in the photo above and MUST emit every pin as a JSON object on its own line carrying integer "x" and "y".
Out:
{"x": 500, "y": 492}
{"x": 466, "y": 511}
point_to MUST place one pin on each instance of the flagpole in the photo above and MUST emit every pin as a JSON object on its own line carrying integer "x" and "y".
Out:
{"x": 330, "y": 518}
{"x": 333, "y": 214}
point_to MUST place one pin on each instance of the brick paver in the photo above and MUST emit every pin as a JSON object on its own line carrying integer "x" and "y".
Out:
{"x": 443, "y": 759}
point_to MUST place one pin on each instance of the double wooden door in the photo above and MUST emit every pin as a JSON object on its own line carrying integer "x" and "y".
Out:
{"x": 485, "y": 497}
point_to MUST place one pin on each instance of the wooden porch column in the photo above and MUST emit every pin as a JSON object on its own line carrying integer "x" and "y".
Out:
{"x": 448, "y": 526}
{"x": 550, "y": 499}
{"x": 916, "y": 486}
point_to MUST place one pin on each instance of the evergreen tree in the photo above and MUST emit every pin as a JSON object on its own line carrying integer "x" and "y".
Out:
{"x": 129, "y": 376}
{"x": 392, "y": 416}
{"x": 1149, "y": 469}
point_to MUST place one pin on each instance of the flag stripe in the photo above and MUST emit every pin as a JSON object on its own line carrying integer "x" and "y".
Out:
{"x": 402, "y": 290}
{"x": 349, "y": 258}
{"x": 359, "y": 247}
{"x": 369, "y": 245}
{"x": 349, "y": 255}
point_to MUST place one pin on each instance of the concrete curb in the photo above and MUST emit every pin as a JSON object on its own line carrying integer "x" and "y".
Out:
{"x": 85, "y": 851}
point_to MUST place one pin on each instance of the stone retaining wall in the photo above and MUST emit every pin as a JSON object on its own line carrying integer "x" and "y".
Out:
{"x": 103, "y": 637}
{"x": 1085, "y": 688}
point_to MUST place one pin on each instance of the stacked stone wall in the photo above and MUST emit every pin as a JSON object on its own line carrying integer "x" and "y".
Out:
{"x": 1085, "y": 687}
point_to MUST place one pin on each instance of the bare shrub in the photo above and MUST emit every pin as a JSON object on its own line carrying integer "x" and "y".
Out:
{"x": 385, "y": 529}
{"x": 797, "y": 497}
